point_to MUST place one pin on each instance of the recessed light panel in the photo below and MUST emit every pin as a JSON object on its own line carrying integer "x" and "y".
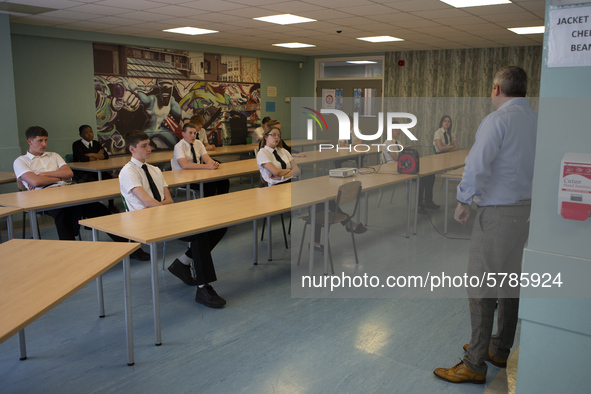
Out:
{"x": 284, "y": 19}
{"x": 473, "y": 3}
{"x": 193, "y": 31}
{"x": 294, "y": 45}
{"x": 380, "y": 39}
{"x": 527, "y": 30}
{"x": 361, "y": 62}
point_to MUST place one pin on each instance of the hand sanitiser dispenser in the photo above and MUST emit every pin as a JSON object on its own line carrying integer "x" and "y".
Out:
{"x": 574, "y": 189}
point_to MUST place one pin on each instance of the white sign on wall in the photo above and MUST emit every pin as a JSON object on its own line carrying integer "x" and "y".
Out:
{"x": 569, "y": 43}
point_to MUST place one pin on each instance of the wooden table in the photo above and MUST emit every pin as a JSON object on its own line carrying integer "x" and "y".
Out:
{"x": 36, "y": 275}
{"x": 455, "y": 175}
{"x": 172, "y": 221}
{"x": 7, "y": 212}
{"x": 7, "y": 177}
{"x": 115, "y": 163}
{"x": 436, "y": 164}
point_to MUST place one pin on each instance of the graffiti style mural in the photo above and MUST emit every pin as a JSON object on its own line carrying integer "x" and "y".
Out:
{"x": 159, "y": 106}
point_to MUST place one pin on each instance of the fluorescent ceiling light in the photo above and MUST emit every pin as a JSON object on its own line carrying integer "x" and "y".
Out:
{"x": 361, "y": 62}
{"x": 284, "y": 19}
{"x": 193, "y": 31}
{"x": 380, "y": 39}
{"x": 527, "y": 30}
{"x": 473, "y": 3}
{"x": 294, "y": 45}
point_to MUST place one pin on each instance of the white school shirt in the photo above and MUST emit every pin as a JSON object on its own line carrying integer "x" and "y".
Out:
{"x": 49, "y": 161}
{"x": 266, "y": 155}
{"x": 183, "y": 150}
{"x": 132, "y": 176}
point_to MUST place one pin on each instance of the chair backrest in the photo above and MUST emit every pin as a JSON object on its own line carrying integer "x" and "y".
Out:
{"x": 349, "y": 192}
{"x": 124, "y": 203}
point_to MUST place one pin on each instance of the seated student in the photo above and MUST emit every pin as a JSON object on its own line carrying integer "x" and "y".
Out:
{"x": 283, "y": 144}
{"x": 188, "y": 154}
{"x": 257, "y": 134}
{"x": 392, "y": 157}
{"x": 143, "y": 186}
{"x": 39, "y": 169}
{"x": 84, "y": 150}
{"x": 275, "y": 163}
{"x": 198, "y": 121}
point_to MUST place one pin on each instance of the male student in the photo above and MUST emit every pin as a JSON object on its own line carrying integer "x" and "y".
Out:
{"x": 188, "y": 154}
{"x": 87, "y": 149}
{"x": 198, "y": 122}
{"x": 39, "y": 169}
{"x": 143, "y": 186}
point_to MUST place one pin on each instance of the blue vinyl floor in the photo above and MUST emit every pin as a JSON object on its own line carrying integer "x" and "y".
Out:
{"x": 264, "y": 340}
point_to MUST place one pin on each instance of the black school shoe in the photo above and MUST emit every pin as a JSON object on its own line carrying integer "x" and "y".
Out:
{"x": 207, "y": 296}
{"x": 140, "y": 255}
{"x": 432, "y": 205}
{"x": 183, "y": 272}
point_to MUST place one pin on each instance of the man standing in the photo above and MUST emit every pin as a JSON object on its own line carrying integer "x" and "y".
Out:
{"x": 498, "y": 177}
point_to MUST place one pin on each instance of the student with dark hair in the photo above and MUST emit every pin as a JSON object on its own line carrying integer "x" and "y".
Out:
{"x": 38, "y": 169}
{"x": 87, "y": 149}
{"x": 143, "y": 186}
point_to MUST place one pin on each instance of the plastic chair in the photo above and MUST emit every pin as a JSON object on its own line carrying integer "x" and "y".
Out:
{"x": 347, "y": 193}
{"x": 263, "y": 183}
{"x": 22, "y": 188}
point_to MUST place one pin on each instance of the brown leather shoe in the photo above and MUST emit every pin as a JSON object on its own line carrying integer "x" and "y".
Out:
{"x": 460, "y": 373}
{"x": 497, "y": 362}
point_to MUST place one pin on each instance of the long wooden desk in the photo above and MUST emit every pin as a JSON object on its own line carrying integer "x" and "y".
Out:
{"x": 36, "y": 275}
{"x": 455, "y": 175}
{"x": 172, "y": 221}
{"x": 7, "y": 177}
{"x": 82, "y": 193}
{"x": 436, "y": 164}
{"x": 7, "y": 212}
{"x": 115, "y": 163}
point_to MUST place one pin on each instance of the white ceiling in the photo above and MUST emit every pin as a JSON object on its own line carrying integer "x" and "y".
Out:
{"x": 423, "y": 24}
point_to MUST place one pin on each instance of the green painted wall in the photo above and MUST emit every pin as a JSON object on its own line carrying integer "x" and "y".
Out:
{"x": 10, "y": 146}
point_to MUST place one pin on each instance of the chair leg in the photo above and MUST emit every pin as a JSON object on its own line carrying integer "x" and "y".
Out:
{"x": 284, "y": 234}
{"x": 354, "y": 248}
{"x": 381, "y": 195}
{"x": 263, "y": 231}
{"x": 289, "y": 228}
{"x": 330, "y": 257}
{"x": 24, "y": 222}
{"x": 392, "y": 196}
{"x": 302, "y": 243}
{"x": 163, "y": 255}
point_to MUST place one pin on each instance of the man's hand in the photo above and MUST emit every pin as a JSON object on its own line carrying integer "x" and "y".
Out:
{"x": 462, "y": 213}
{"x": 213, "y": 165}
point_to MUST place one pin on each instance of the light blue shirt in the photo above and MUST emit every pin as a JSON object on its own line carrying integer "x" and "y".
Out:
{"x": 500, "y": 166}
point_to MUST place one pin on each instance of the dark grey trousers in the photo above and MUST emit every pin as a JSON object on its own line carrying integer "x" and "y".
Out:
{"x": 496, "y": 248}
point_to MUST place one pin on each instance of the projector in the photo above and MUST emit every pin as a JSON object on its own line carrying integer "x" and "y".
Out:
{"x": 342, "y": 172}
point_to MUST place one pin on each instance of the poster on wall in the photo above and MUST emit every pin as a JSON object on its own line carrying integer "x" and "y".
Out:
{"x": 568, "y": 42}
{"x": 328, "y": 98}
{"x": 156, "y": 91}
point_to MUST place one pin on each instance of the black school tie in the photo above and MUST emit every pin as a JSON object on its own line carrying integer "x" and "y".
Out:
{"x": 152, "y": 184}
{"x": 445, "y": 136}
{"x": 279, "y": 159}
{"x": 193, "y": 153}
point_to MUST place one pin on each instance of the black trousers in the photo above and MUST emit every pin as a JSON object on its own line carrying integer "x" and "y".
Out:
{"x": 213, "y": 188}
{"x": 200, "y": 251}
{"x": 426, "y": 189}
{"x": 66, "y": 219}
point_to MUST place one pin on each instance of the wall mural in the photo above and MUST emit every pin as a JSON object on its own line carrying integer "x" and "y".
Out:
{"x": 157, "y": 97}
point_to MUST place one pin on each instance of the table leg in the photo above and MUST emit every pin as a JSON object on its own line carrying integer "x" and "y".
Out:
{"x": 366, "y": 208}
{"x": 33, "y": 223}
{"x": 22, "y": 345}
{"x": 255, "y": 246}
{"x": 269, "y": 248}
{"x": 155, "y": 293}
{"x": 187, "y": 191}
{"x": 325, "y": 237}
{"x": 201, "y": 192}
{"x": 445, "y": 210}
{"x": 99, "y": 283}
{"x": 10, "y": 226}
{"x": 408, "y": 187}
{"x": 128, "y": 317}
{"x": 312, "y": 234}
{"x": 416, "y": 205}
{"x": 100, "y": 175}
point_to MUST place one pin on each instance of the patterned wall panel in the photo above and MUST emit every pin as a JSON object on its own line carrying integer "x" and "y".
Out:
{"x": 451, "y": 78}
